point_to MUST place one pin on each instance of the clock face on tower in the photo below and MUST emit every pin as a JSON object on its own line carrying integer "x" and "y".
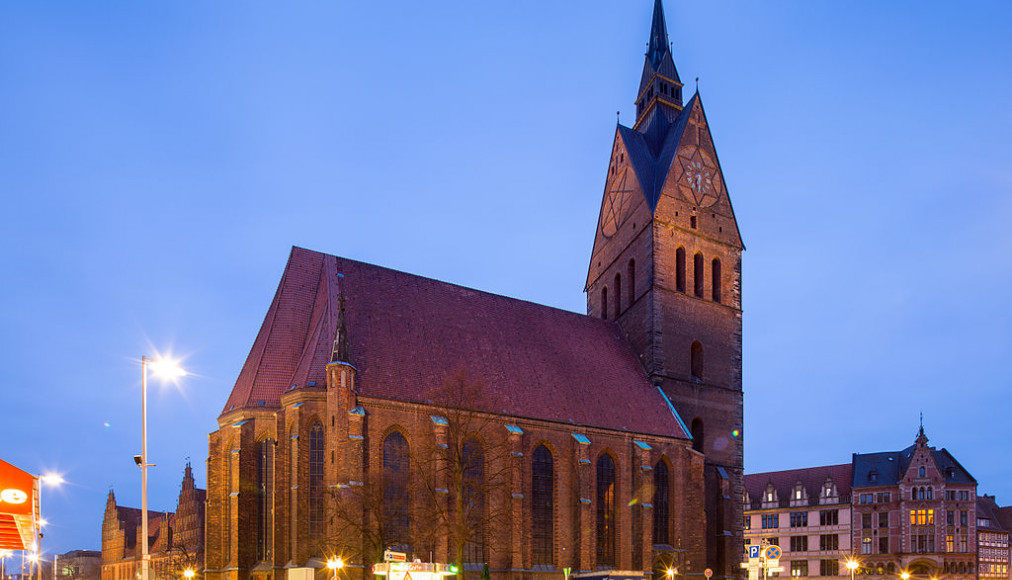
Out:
{"x": 617, "y": 203}
{"x": 700, "y": 181}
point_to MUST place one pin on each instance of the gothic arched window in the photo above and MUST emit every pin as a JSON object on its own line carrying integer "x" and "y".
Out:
{"x": 395, "y": 487}
{"x": 542, "y": 492}
{"x": 473, "y": 462}
{"x": 315, "y": 494}
{"x": 264, "y": 497}
{"x": 662, "y": 511}
{"x": 680, "y": 269}
{"x": 618, "y": 294}
{"x": 632, "y": 281}
{"x": 606, "y": 511}
{"x": 604, "y": 303}
{"x": 715, "y": 274}
{"x": 696, "y": 360}
{"x": 697, "y": 274}
{"x": 697, "y": 434}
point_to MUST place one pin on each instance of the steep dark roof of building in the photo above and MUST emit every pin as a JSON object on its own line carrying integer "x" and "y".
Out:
{"x": 407, "y": 334}
{"x": 658, "y": 58}
{"x": 811, "y": 478}
{"x": 890, "y": 466}
{"x": 652, "y": 148}
{"x": 987, "y": 508}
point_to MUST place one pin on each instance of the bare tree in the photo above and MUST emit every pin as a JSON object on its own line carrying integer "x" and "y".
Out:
{"x": 465, "y": 476}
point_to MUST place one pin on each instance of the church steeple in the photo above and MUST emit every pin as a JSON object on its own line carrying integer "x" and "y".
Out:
{"x": 660, "y": 86}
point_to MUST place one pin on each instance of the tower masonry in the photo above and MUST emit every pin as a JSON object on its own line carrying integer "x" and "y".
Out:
{"x": 666, "y": 266}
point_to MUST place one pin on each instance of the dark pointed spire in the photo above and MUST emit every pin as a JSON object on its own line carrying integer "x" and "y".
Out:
{"x": 658, "y": 36}
{"x": 340, "y": 352}
{"x": 659, "y": 84}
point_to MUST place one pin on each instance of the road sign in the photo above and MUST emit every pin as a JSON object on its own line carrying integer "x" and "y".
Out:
{"x": 391, "y": 556}
{"x": 708, "y": 573}
{"x": 772, "y": 552}
{"x": 754, "y": 550}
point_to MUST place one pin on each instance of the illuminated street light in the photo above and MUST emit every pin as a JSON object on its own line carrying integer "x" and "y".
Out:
{"x": 335, "y": 564}
{"x": 852, "y": 565}
{"x": 905, "y": 575}
{"x": 670, "y": 573}
{"x": 188, "y": 573}
{"x": 163, "y": 368}
{"x": 53, "y": 479}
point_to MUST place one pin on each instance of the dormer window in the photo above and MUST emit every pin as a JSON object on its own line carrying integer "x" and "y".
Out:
{"x": 872, "y": 475}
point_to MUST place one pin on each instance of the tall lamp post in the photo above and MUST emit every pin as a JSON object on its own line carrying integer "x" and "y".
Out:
{"x": 48, "y": 479}
{"x": 168, "y": 369}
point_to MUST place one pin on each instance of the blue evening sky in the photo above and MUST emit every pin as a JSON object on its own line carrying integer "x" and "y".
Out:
{"x": 159, "y": 159}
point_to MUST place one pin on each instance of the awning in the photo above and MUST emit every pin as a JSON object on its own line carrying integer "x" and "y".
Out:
{"x": 18, "y": 508}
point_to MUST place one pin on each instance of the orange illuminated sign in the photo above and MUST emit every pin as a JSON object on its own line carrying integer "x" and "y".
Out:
{"x": 16, "y": 490}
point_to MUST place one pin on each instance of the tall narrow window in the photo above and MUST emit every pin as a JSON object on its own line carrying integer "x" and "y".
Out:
{"x": 715, "y": 283}
{"x": 315, "y": 494}
{"x": 542, "y": 486}
{"x": 680, "y": 269}
{"x": 697, "y": 274}
{"x": 606, "y": 511}
{"x": 632, "y": 282}
{"x": 697, "y": 438}
{"x": 395, "y": 488}
{"x": 662, "y": 512}
{"x": 604, "y": 303}
{"x": 474, "y": 500}
{"x": 696, "y": 360}
{"x": 618, "y": 294}
{"x": 265, "y": 498}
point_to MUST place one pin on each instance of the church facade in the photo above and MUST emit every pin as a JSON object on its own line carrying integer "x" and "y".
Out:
{"x": 379, "y": 410}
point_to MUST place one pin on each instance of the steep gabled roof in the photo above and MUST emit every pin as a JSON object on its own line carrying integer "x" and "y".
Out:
{"x": 811, "y": 478}
{"x": 890, "y": 467}
{"x": 407, "y": 334}
{"x": 652, "y": 149}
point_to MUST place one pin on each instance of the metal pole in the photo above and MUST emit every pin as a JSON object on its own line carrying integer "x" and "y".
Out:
{"x": 38, "y": 545}
{"x": 144, "y": 468}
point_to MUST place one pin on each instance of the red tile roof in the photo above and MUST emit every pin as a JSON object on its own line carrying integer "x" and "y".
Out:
{"x": 812, "y": 478}
{"x": 408, "y": 334}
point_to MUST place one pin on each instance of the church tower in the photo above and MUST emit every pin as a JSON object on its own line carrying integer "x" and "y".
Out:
{"x": 666, "y": 267}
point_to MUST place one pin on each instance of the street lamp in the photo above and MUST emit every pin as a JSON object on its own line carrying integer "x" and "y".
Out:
{"x": 55, "y": 480}
{"x": 335, "y": 564}
{"x": 670, "y": 573}
{"x": 168, "y": 369}
{"x": 852, "y": 565}
{"x": 905, "y": 575}
{"x": 189, "y": 573}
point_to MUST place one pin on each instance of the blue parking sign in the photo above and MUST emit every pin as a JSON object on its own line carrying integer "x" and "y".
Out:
{"x": 754, "y": 551}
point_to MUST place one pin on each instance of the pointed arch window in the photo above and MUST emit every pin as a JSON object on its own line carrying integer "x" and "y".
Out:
{"x": 606, "y": 511}
{"x": 604, "y": 303}
{"x": 696, "y": 360}
{"x": 697, "y": 274}
{"x": 542, "y": 504}
{"x": 473, "y": 462}
{"x": 680, "y": 269}
{"x": 395, "y": 488}
{"x": 618, "y": 294}
{"x": 715, "y": 285}
{"x": 697, "y": 434}
{"x": 632, "y": 282}
{"x": 264, "y": 498}
{"x": 662, "y": 509}
{"x": 315, "y": 492}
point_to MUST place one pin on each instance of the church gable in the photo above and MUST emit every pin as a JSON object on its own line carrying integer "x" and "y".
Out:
{"x": 694, "y": 192}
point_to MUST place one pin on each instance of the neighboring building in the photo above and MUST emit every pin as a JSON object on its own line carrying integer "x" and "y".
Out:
{"x": 807, "y": 513}
{"x": 993, "y": 527}
{"x": 79, "y": 565}
{"x": 377, "y": 408}
{"x": 175, "y": 543}
{"x": 914, "y": 511}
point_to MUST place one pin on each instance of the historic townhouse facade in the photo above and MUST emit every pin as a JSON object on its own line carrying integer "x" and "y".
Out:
{"x": 175, "y": 543}
{"x": 380, "y": 409}
{"x": 913, "y": 511}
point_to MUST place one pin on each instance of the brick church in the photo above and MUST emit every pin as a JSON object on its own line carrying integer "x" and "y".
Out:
{"x": 378, "y": 409}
